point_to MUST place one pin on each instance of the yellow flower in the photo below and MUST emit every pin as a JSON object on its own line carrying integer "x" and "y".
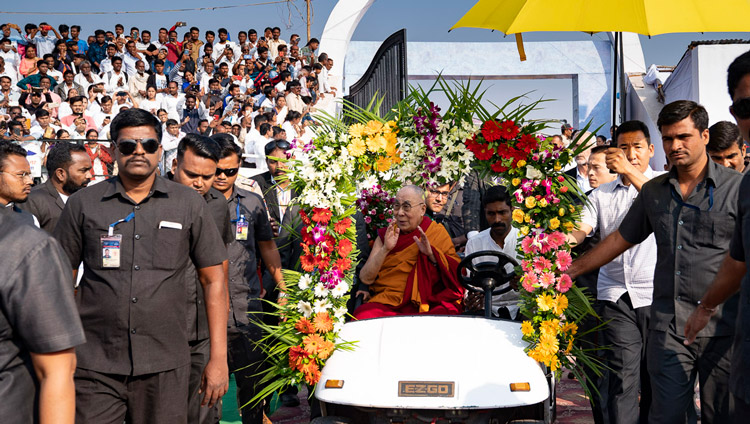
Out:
{"x": 392, "y": 126}
{"x": 554, "y": 223}
{"x": 572, "y": 208}
{"x": 527, "y": 218}
{"x": 383, "y": 164}
{"x": 561, "y": 304}
{"x": 549, "y": 345}
{"x": 527, "y": 328}
{"x": 357, "y": 147}
{"x": 561, "y": 212}
{"x": 518, "y": 215}
{"x": 373, "y": 127}
{"x": 570, "y": 346}
{"x": 554, "y": 364}
{"x": 569, "y": 226}
{"x": 543, "y": 203}
{"x": 390, "y": 146}
{"x": 521, "y": 163}
{"x": 530, "y": 202}
{"x": 516, "y": 181}
{"x": 356, "y": 130}
{"x": 376, "y": 143}
{"x": 545, "y": 302}
{"x": 570, "y": 327}
{"x": 525, "y": 230}
{"x": 549, "y": 327}
{"x": 557, "y": 166}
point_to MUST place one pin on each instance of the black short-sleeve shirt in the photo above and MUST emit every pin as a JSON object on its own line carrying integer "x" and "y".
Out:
{"x": 692, "y": 239}
{"x": 739, "y": 377}
{"x": 244, "y": 284}
{"x": 37, "y": 312}
{"x": 197, "y": 319}
{"x": 134, "y": 316}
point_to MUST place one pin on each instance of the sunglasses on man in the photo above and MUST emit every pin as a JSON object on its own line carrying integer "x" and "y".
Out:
{"x": 127, "y": 147}
{"x": 276, "y": 144}
{"x": 229, "y": 172}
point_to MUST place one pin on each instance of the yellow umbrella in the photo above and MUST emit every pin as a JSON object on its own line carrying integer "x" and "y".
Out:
{"x": 647, "y": 17}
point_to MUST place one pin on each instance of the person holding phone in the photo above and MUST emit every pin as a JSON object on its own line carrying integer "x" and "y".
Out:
{"x": 43, "y": 40}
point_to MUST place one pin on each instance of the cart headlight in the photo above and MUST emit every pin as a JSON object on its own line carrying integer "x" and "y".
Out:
{"x": 334, "y": 384}
{"x": 520, "y": 387}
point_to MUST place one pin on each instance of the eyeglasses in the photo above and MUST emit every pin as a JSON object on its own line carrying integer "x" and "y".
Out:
{"x": 21, "y": 176}
{"x": 127, "y": 147}
{"x": 406, "y": 207}
{"x": 438, "y": 193}
{"x": 741, "y": 108}
{"x": 229, "y": 172}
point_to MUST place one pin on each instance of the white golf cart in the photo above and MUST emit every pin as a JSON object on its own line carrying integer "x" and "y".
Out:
{"x": 439, "y": 369}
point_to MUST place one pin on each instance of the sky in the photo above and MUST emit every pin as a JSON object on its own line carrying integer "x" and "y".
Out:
{"x": 424, "y": 20}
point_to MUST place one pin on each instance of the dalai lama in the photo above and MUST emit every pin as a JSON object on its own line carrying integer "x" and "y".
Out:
{"x": 412, "y": 267}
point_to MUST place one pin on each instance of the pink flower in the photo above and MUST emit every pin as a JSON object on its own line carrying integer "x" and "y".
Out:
{"x": 556, "y": 239}
{"x": 563, "y": 260}
{"x": 547, "y": 279}
{"x": 526, "y": 265}
{"x": 529, "y": 279}
{"x": 519, "y": 196}
{"x": 541, "y": 263}
{"x": 527, "y": 245}
{"x": 564, "y": 283}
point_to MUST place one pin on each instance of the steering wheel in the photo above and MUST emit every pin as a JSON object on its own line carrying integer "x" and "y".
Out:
{"x": 487, "y": 277}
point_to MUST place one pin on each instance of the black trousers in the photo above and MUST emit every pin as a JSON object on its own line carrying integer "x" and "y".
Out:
{"x": 200, "y": 351}
{"x": 626, "y": 334}
{"x": 144, "y": 399}
{"x": 673, "y": 368}
{"x": 245, "y": 362}
{"x": 741, "y": 411}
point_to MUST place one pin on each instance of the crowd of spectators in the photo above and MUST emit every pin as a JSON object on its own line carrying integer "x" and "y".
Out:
{"x": 56, "y": 83}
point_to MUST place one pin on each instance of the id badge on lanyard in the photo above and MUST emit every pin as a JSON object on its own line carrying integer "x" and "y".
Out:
{"x": 111, "y": 244}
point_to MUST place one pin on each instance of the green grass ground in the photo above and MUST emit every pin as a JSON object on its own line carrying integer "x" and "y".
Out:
{"x": 229, "y": 411}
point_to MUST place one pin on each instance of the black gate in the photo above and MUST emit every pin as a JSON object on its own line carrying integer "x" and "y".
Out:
{"x": 386, "y": 76}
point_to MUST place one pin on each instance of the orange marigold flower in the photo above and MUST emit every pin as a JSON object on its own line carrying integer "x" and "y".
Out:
{"x": 305, "y": 326}
{"x": 341, "y": 226}
{"x": 322, "y": 215}
{"x": 322, "y": 323}
{"x": 297, "y": 357}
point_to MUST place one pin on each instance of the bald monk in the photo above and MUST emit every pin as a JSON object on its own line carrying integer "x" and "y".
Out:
{"x": 412, "y": 267}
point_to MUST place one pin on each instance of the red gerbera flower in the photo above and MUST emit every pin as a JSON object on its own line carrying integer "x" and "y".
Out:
{"x": 499, "y": 167}
{"x": 527, "y": 143}
{"x": 484, "y": 152}
{"x": 344, "y": 264}
{"x": 345, "y": 248}
{"x": 491, "y": 131}
{"x": 341, "y": 226}
{"x": 322, "y": 215}
{"x": 305, "y": 218}
{"x": 509, "y": 130}
{"x": 307, "y": 262}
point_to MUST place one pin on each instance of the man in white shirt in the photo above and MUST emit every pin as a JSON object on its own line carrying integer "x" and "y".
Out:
{"x": 274, "y": 43}
{"x": 294, "y": 99}
{"x": 86, "y": 78}
{"x": 625, "y": 285}
{"x": 44, "y": 41}
{"x": 9, "y": 94}
{"x": 501, "y": 236}
{"x": 170, "y": 100}
{"x": 223, "y": 44}
{"x": 106, "y": 63}
{"x": 131, "y": 57}
{"x": 170, "y": 139}
{"x": 138, "y": 81}
{"x": 43, "y": 127}
{"x": 10, "y": 58}
{"x": 105, "y": 115}
{"x": 115, "y": 79}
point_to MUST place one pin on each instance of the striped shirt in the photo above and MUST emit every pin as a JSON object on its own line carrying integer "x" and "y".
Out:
{"x": 633, "y": 270}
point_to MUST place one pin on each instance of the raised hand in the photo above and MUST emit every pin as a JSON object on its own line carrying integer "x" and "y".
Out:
{"x": 424, "y": 245}
{"x": 391, "y": 237}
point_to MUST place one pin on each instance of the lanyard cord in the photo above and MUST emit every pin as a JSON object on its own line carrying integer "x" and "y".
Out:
{"x": 111, "y": 229}
{"x": 680, "y": 202}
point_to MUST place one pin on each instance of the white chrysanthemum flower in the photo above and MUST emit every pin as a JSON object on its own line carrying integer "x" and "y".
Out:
{"x": 533, "y": 173}
{"x": 340, "y": 313}
{"x": 337, "y": 327}
{"x": 305, "y": 281}
{"x": 320, "y": 290}
{"x": 340, "y": 290}
{"x": 321, "y": 305}
{"x": 304, "y": 308}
